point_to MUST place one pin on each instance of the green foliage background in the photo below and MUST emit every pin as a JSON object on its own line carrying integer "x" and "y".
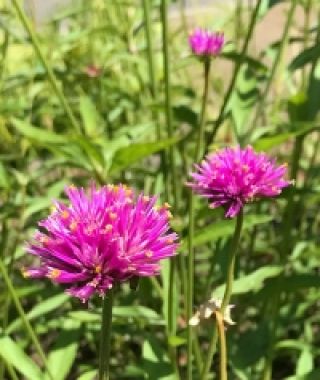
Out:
{"x": 59, "y": 125}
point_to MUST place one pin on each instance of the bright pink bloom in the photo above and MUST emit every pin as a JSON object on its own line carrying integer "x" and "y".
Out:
{"x": 206, "y": 43}
{"x": 235, "y": 176}
{"x": 104, "y": 236}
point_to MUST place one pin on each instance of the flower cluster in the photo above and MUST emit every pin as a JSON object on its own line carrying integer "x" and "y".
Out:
{"x": 104, "y": 236}
{"x": 206, "y": 43}
{"x": 234, "y": 176}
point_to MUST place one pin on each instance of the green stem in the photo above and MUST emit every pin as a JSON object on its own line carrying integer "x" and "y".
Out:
{"x": 105, "y": 336}
{"x": 223, "y": 346}
{"x": 173, "y": 170}
{"x": 52, "y": 79}
{"x": 197, "y": 156}
{"x": 276, "y": 64}
{"x": 227, "y": 292}
{"x": 148, "y": 29}
{"x": 168, "y": 108}
{"x": 23, "y": 317}
{"x": 236, "y": 71}
{"x": 11, "y": 372}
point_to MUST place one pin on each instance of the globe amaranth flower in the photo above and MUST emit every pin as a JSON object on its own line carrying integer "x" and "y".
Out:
{"x": 206, "y": 43}
{"x": 104, "y": 236}
{"x": 234, "y": 176}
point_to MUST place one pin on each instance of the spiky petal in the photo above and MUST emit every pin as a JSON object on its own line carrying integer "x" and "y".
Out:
{"x": 104, "y": 236}
{"x": 206, "y": 43}
{"x": 234, "y": 176}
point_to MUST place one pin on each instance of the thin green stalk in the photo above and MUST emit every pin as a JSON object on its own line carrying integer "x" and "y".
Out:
{"x": 223, "y": 346}
{"x": 11, "y": 372}
{"x": 105, "y": 337}
{"x": 172, "y": 167}
{"x": 197, "y": 156}
{"x": 306, "y": 34}
{"x": 52, "y": 79}
{"x": 227, "y": 292}
{"x": 168, "y": 108}
{"x": 285, "y": 248}
{"x": 236, "y": 71}
{"x": 276, "y": 64}
{"x": 23, "y": 317}
{"x": 148, "y": 29}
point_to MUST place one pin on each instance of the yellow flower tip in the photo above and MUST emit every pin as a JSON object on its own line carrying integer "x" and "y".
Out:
{"x": 44, "y": 239}
{"x": 149, "y": 253}
{"x": 129, "y": 200}
{"x": 25, "y": 273}
{"x": 65, "y": 214}
{"x": 94, "y": 283}
{"x": 110, "y": 187}
{"x": 169, "y": 215}
{"x": 169, "y": 241}
{"x": 112, "y": 215}
{"x": 116, "y": 188}
{"x": 98, "y": 269}
{"x": 107, "y": 228}
{"x": 53, "y": 209}
{"x": 156, "y": 208}
{"x": 146, "y": 198}
{"x": 166, "y": 205}
{"x": 73, "y": 225}
{"x": 54, "y": 273}
{"x": 245, "y": 168}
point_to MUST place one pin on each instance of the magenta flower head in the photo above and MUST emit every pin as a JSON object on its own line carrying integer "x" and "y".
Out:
{"x": 102, "y": 237}
{"x": 205, "y": 43}
{"x": 235, "y": 176}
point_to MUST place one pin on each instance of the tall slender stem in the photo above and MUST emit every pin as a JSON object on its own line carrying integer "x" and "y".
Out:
{"x": 227, "y": 292}
{"x": 173, "y": 169}
{"x": 197, "y": 156}
{"x": 52, "y": 79}
{"x": 236, "y": 71}
{"x": 105, "y": 337}
{"x": 223, "y": 346}
{"x": 168, "y": 108}
{"x": 23, "y": 317}
{"x": 276, "y": 63}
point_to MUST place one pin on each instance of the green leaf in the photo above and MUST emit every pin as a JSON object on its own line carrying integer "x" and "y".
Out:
{"x": 266, "y": 143}
{"x": 257, "y": 339}
{"x": 89, "y": 115}
{"x": 305, "y": 362}
{"x": 136, "y": 311}
{"x": 127, "y": 156}
{"x": 4, "y": 178}
{"x": 40, "y": 309}
{"x": 291, "y": 283}
{"x": 176, "y": 341}
{"x": 306, "y": 56}
{"x": 90, "y": 375}
{"x": 155, "y": 361}
{"x": 225, "y": 228}
{"x": 16, "y": 357}
{"x": 252, "y": 282}
{"x": 37, "y": 134}
{"x": 63, "y": 354}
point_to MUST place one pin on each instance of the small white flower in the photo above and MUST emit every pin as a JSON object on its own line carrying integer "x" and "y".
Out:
{"x": 208, "y": 309}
